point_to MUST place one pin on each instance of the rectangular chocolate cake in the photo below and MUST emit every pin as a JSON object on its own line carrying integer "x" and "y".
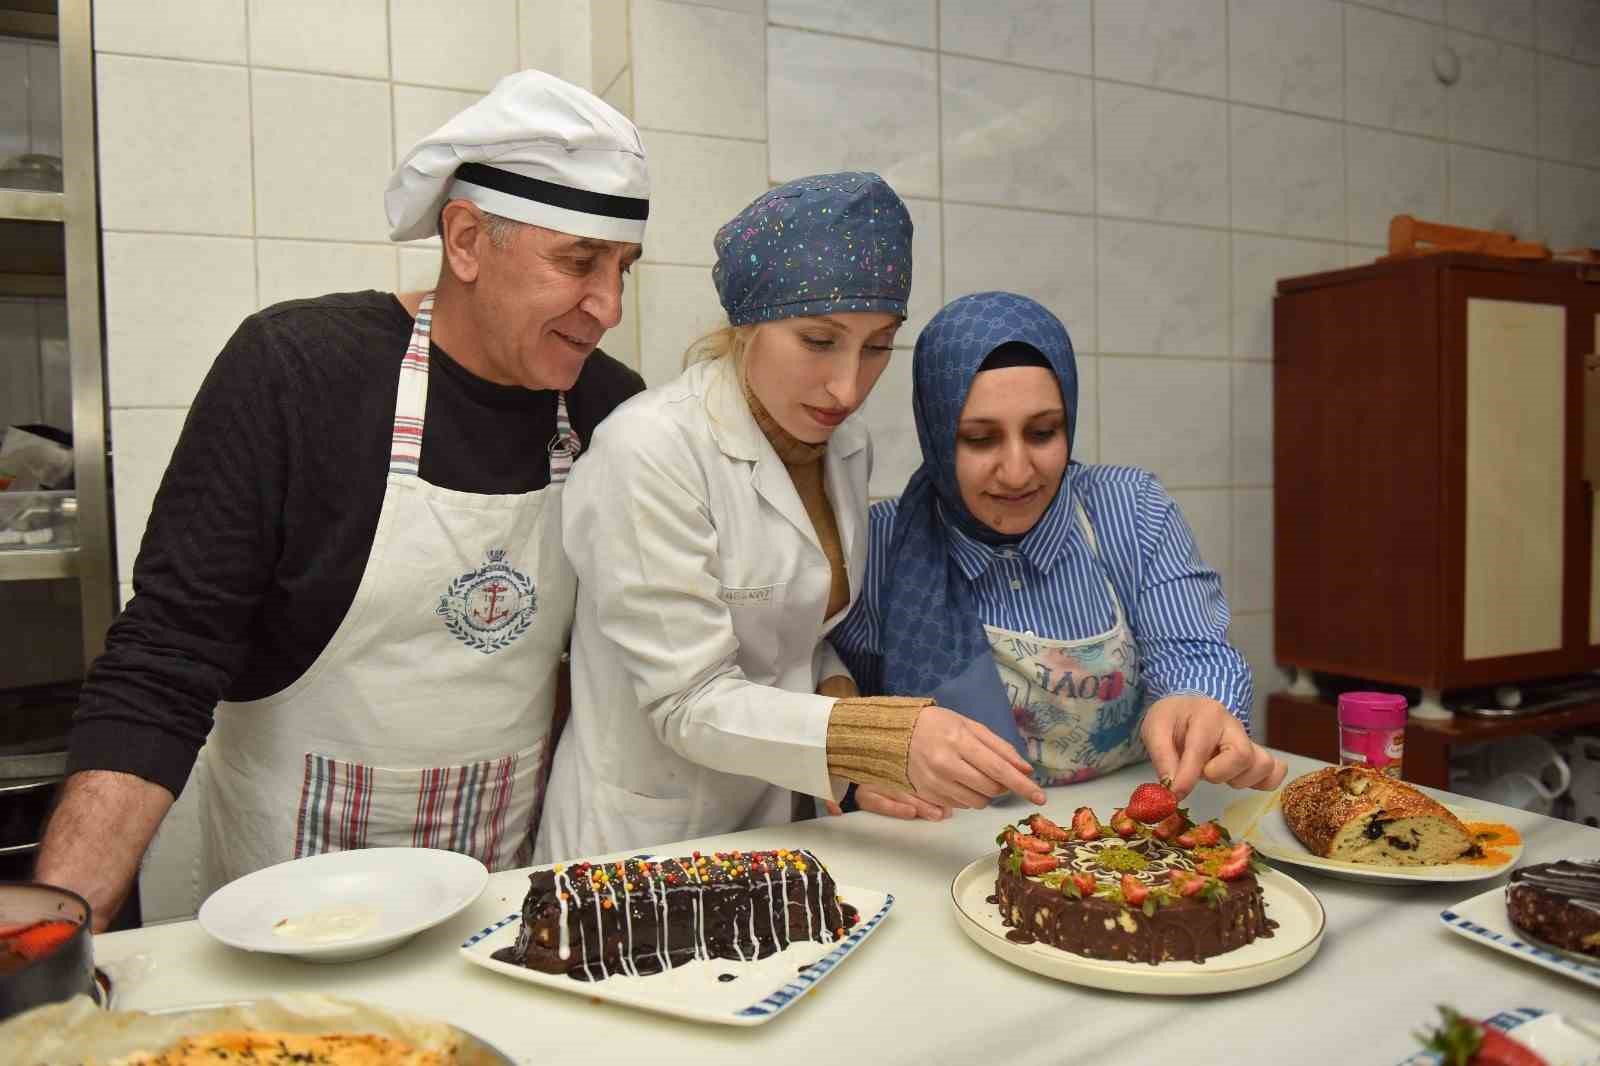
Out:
{"x": 643, "y": 916}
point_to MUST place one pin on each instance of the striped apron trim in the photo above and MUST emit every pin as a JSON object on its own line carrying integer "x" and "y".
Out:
{"x": 463, "y": 808}
{"x": 335, "y": 806}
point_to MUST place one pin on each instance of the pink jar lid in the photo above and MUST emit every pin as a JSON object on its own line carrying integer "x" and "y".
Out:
{"x": 1372, "y": 710}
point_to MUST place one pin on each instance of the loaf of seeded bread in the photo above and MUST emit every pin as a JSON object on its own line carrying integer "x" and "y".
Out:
{"x": 1354, "y": 814}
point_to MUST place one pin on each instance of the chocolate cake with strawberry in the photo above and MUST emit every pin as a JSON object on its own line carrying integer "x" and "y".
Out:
{"x": 1150, "y": 886}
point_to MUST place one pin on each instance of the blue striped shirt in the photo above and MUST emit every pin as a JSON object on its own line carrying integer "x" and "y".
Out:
{"x": 1051, "y": 585}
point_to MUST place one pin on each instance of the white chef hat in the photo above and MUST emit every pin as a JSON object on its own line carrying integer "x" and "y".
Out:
{"x": 536, "y": 149}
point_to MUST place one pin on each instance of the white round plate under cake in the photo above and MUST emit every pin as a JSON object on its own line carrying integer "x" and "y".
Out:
{"x": 1258, "y": 819}
{"x": 345, "y": 905}
{"x": 1296, "y": 909}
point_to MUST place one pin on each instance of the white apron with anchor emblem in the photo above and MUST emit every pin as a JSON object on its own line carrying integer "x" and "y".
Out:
{"x": 1078, "y": 703}
{"x": 425, "y": 721}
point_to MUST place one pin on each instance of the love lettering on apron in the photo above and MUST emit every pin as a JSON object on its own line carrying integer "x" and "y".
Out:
{"x": 1078, "y": 703}
{"x": 425, "y": 721}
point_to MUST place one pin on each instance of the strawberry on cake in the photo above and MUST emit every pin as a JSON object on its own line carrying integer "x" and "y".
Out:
{"x": 1150, "y": 886}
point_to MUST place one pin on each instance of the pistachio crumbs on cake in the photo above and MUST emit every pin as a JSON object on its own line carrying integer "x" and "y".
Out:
{"x": 1130, "y": 890}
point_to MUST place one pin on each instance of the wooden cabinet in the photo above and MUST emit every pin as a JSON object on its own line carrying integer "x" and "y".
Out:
{"x": 1434, "y": 517}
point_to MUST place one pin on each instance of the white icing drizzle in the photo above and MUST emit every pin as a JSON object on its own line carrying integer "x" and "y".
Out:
{"x": 754, "y": 938}
{"x": 784, "y": 883}
{"x": 564, "y": 938}
{"x": 600, "y": 930}
{"x": 583, "y": 948}
{"x": 777, "y": 941}
{"x": 629, "y": 967}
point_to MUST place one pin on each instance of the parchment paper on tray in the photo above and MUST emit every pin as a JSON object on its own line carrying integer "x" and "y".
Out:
{"x": 78, "y": 1032}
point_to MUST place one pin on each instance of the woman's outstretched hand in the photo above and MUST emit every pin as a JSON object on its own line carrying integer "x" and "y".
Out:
{"x": 956, "y": 762}
{"x": 1190, "y": 737}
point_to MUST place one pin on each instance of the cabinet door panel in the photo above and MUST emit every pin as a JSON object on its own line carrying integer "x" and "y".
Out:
{"x": 1515, "y": 487}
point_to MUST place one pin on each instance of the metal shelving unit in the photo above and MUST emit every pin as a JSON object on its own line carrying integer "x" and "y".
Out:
{"x": 74, "y": 212}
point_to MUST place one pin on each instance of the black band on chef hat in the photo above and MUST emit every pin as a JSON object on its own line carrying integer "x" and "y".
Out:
{"x": 548, "y": 192}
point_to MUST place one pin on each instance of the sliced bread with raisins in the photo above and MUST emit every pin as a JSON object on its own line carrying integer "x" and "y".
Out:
{"x": 1354, "y": 814}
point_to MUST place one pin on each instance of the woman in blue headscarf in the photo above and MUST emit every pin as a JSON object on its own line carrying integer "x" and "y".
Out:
{"x": 717, "y": 526}
{"x": 1064, "y": 606}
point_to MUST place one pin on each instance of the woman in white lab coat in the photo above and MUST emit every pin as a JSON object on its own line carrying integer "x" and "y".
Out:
{"x": 717, "y": 526}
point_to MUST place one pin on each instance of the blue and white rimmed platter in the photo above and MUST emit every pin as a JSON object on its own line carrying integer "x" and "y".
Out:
{"x": 700, "y": 990}
{"x": 1483, "y": 919}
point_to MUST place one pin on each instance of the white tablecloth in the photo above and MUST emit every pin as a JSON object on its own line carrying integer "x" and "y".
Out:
{"x": 918, "y": 991}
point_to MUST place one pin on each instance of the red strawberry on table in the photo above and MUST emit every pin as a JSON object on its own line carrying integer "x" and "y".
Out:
{"x": 1034, "y": 865}
{"x": 1085, "y": 826}
{"x": 1152, "y": 803}
{"x": 1134, "y": 890}
{"x": 1235, "y": 865}
{"x": 1044, "y": 827}
{"x": 1464, "y": 1042}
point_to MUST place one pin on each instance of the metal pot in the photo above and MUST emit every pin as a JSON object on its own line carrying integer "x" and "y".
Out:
{"x": 63, "y": 973}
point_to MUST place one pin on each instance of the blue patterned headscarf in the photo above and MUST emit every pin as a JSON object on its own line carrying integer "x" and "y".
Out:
{"x": 812, "y": 246}
{"x": 933, "y": 641}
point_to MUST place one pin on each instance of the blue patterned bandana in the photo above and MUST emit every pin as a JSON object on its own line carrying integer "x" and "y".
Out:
{"x": 933, "y": 641}
{"x": 813, "y": 246}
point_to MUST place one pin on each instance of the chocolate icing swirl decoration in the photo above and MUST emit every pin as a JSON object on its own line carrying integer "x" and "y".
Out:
{"x": 1090, "y": 856}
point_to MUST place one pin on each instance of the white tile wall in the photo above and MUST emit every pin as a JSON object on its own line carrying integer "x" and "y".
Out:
{"x": 1258, "y": 263}
{"x": 1252, "y": 423}
{"x": 1207, "y": 513}
{"x": 882, "y": 113}
{"x": 1168, "y": 44}
{"x": 350, "y": 37}
{"x": 454, "y": 44}
{"x": 174, "y": 146}
{"x": 1160, "y": 155}
{"x": 1493, "y": 190}
{"x": 1389, "y": 78}
{"x": 13, "y": 98}
{"x": 927, "y": 273}
{"x": 1509, "y": 20}
{"x": 172, "y": 301}
{"x": 1287, "y": 54}
{"x": 1495, "y": 102}
{"x": 698, "y": 69}
{"x": 677, "y": 306}
{"x": 1251, "y": 586}
{"x": 1569, "y": 206}
{"x": 1252, "y": 635}
{"x": 419, "y": 267}
{"x": 1162, "y": 289}
{"x": 176, "y": 29}
{"x": 1168, "y": 416}
{"x": 1008, "y": 132}
{"x": 1086, "y": 438}
{"x": 1392, "y": 174}
{"x": 1422, "y": 9}
{"x": 1569, "y": 111}
{"x": 323, "y": 152}
{"x": 895, "y": 452}
{"x": 44, "y": 98}
{"x": 1049, "y": 257}
{"x": 901, "y": 21}
{"x": 419, "y": 111}
{"x": 294, "y": 270}
{"x": 695, "y": 181}
{"x": 1287, "y": 173}
{"x": 1055, "y": 34}
{"x": 1570, "y": 28}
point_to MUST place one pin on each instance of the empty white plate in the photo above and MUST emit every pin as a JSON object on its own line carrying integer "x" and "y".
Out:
{"x": 345, "y": 905}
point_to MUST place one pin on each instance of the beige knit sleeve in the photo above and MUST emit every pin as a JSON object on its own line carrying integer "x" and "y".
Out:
{"x": 869, "y": 739}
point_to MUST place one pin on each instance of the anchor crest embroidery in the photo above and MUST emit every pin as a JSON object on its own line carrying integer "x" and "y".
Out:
{"x": 487, "y": 609}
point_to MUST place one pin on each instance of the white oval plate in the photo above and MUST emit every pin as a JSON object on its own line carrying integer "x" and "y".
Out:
{"x": 1258, "y": 819}
{"x": 723, "y": 991}
{"x": 1296, "y": 909}
{"x": 345, "y": 905}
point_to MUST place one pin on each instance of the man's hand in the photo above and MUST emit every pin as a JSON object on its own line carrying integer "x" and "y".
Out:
{"x": 956, "y": 762}
{"x": 1190, "y": 737}
{"x": 892, "y": 803}
{"x": 97, "y": 836}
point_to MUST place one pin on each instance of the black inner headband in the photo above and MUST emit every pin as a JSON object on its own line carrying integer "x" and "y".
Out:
{"x": 1015, "y": 353}
{"x": 548, "y": 192}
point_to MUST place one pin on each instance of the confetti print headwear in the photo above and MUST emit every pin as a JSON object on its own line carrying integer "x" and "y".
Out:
{"x": 933, "y": 642}
{"x": 813, "y": 246}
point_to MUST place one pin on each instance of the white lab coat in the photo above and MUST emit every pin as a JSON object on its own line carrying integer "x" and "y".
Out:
{"x": 698, "y": 640}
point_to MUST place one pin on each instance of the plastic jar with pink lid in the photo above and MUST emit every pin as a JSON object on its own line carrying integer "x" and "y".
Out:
{"x": 1372, "y": 730}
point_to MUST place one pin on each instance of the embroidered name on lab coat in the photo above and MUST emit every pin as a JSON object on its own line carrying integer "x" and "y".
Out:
{"x": 751, "y": 596}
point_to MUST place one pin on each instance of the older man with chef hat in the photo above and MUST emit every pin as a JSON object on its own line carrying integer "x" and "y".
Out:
{"x": 355, "y": 555}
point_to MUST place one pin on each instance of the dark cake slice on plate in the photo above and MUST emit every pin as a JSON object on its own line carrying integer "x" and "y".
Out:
{"x": 643, "y": 916}
{"x": 1558, "y": 903}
